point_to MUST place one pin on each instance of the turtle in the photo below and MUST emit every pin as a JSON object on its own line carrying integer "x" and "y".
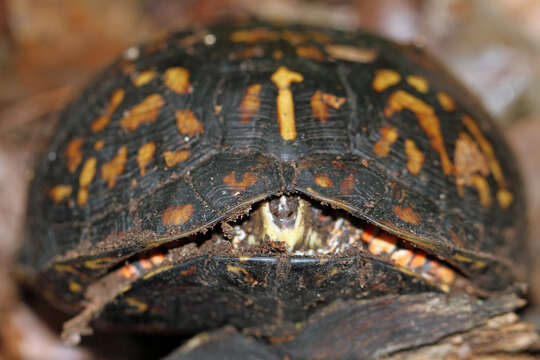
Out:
{"x": 251, "y": 174}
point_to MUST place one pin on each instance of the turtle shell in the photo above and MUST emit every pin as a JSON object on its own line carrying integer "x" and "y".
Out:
{"x": 189, "y": 131}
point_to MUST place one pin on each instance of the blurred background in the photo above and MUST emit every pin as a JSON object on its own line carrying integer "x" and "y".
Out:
{"x": 50, "y": 48}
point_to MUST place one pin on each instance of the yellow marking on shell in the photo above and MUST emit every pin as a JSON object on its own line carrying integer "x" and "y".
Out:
{"x": 248, "y": 179}
{"x": 101, "y": 122}
{"x": 246, "y": 276}
{"x": 98, "y": 145}
{"x": 82, "y": 196}
{"x": 139, "y": 306}
{"x": 62, "y": 268}
{"x": 60, "y": 193}
{"x": 75, "y": 287}
{"x": 125, "y": 289}
{"x": 429, "y": 122}
{"x": 310, "y": 52}
{"x": 88, "y": 172}
{"x": 406, "y": 214}
{"x": 145, "y": 155}
{"x": 177, "y": 215}
{"x": 389, "y": 135}
{"x": 488, "y": 152}
{"x": 351, "y": 53}
{"x": 250, "y": 103}
{"x": 385, "y": 78}
{"x": 99, "y": 263}
{"x": 418, "y": 82}
{"x": 146, "y": 111}
{"x": 187, "y": 123}
{"x": 505, "y": 198}
{"x": 157, "y": 271}
{"x": 134, "y": 183}
{"x": 174, "y": 157}
{"x": 320, "y": 101}
{"x": 74, "y": 154}
{"x": 415, "y": 157}
{"x": 255, "y": 35}
{"x": 293, "y": 37}
{"x": 320, "y": 37}
{"x": 144, "y": 78}
{"x": 446, "y": 101}
{"x": 87, "y": 175}
{"x": 111, "y": 170}
{"x": 347, "y": 185}
{"x": 482, "y": 187}
{"x": 177, "y": 79}
{"x": 468, "y": 160}
{"x": 323, "y": 180}
{"x": 283, "y": 78}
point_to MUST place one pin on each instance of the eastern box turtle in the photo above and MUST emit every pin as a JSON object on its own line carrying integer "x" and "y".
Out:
{"x": 251, "y": 175}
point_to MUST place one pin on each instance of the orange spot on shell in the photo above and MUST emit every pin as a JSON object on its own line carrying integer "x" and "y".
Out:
{"x": 402, "y": 257}
{"x": 369, "y": 232}
{"x": 248, "y": 179}
{"x": 385, "y": 78}
{"x": 157, "y": 259}
{"x": 82, "y": 196}
{"x": 60, "y": 192}
{"x": 389, "y": 135}
{"x": 406, "y": 214}
{"x": 250, "y": 103}
{"x": 383, "y": 243}
{"x": 320, "y": 102}
{"x": 320, "y": 37}
{"x": 415, "y": 157}
{"x": 145, "y": 112}
{"x": 177, "y": 215}
{"x": 74, "y": 154}
{"x": 488, "y": 152}
{"x": 129, "y": 272}
{"x": 187, "y": 123}
{"x": 446, "y": 101}
{"x": 145, "y": 264}
{"x": 177, "y": 79}
{"x": 277, "y": 54}
{"x": 323, "y": 180}
{"x": 351, "y": 53}
{"x": 468, "y": 160}
{"x": 445, "y": 274}
{"x": 418, "y": 82}
{"x": 347, "y": 185}
{"x": 101, "y": 122}
{"x": 145, "y": 155}
{"x": 283, "y": 78}
{"x": 429, "y": 122}
{"x": 293, "y": 37}
{"x": 418, "y": 260}
{"x": 310, "y": 52}
{"x": 254, "y": 35}
{"x": 111, "y": 170}
{"x": 98, "y": 145}
{"x": 144, "y": 78}
{"x": 172, "y": 158}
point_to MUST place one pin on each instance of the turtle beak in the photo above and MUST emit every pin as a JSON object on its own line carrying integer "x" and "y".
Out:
{"x": 284, "y": 220}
